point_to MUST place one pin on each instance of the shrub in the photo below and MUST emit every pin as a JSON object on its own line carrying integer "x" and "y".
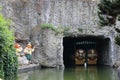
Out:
{"x": 108, "y": 12}
{"x": 8, "y": 59}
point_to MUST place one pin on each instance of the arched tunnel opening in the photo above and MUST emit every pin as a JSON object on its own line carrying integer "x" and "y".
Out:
{"x": 92, "y": 50}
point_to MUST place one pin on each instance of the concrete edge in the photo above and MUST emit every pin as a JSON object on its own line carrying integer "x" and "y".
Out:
{"x": 26, "y": 68}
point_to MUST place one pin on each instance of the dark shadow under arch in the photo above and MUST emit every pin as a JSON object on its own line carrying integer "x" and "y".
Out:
{"x": 70, "y": 44}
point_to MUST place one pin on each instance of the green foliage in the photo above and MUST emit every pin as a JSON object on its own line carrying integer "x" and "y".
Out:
{"x": 103, "y": 20}
{"x": 1, "y": 68}
{"x": 80, "y": 29}
{"x": 47, "y": 25}
{"x": 65, "y": 30}
{"x": 117, "y": 40}
{"x": 59, "y": 29}
{"x": 108, "y": 12}
{"x": 8, "y": 59}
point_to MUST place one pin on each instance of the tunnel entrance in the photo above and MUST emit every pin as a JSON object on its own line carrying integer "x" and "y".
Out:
{"x": 92, "y": 50}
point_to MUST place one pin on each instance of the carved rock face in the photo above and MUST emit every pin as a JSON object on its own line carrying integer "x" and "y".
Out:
{"x": 27, "y": 15}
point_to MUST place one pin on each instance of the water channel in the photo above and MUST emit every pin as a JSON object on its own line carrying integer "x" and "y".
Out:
{"x": 76, "y": 73}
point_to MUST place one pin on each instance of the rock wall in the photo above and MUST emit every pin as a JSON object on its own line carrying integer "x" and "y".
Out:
{"x": 49, "y": 48}
{"x": 53, "y": 49}
{"x": 74, "y": 13}
{"x": 23, "y": 13}
{"x": 27, "y": 15}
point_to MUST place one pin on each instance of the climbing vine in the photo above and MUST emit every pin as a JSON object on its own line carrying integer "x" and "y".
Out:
{"x": 8, "y": 59}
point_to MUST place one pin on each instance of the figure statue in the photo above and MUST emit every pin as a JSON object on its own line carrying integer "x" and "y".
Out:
{"x": 18, "y": 49}
{"x": 28, "y": 51}
{"x": 80, "y": 54}
{"x": 20, "y": 55}
{"x": 80, "y": 57}
{"x": 92, "y": 54}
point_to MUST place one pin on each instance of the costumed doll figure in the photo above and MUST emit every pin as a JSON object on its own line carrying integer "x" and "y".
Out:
{"x": 20, "y": 55}
{"x": 28, "y": 51}
{"x": 18, "y": 49}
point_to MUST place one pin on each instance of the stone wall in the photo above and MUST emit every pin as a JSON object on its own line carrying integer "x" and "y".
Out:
{"x": 74, "y": 13}
{"x": 51, "y": 53}
{"x": 52, "y": 44}
{"x": 23, "y": 13}
{"x": 27, "y": 15}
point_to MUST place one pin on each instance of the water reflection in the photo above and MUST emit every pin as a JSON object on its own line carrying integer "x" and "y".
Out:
{"x": 78, "y": 73}
{"x": 90, "y": 73}
{"x": 43, "y": 74}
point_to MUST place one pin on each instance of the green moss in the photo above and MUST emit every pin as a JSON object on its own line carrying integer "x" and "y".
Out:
{"x": 117, "y": 40}
{"x": 58, "y": 30}
{"x": 80, "y": 30}
{"x": 47, "y": 25}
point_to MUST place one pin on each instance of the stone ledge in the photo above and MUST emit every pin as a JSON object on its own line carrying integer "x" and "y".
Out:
{"x": 116, "y": 64}
{"x": 26, "y": 68}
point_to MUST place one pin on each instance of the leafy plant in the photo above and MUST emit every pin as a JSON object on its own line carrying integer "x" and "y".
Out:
{"x": 108, "y": 12}
{"x": 8, "y": 59}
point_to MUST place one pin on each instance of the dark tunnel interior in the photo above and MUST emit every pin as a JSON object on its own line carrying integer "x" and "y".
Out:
{"x": 71, "y": 44}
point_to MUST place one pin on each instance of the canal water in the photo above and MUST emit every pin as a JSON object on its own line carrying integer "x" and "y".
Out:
{"x": 76, "y": 73}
